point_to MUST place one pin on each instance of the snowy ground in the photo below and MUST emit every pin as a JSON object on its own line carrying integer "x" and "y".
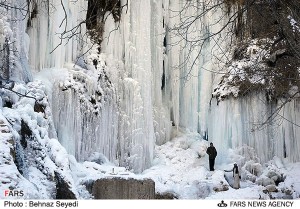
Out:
{"x": 180, "y": 168}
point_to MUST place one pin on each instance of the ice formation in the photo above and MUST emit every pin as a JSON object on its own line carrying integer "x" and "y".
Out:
{"x": 125, "y": 101}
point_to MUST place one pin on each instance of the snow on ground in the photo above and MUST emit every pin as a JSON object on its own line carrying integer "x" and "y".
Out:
{"x": 9, "y": 174}
{"x": 292, "y": 180}
{"x": 29, "y": 156}
{"x": 181, "y": 168}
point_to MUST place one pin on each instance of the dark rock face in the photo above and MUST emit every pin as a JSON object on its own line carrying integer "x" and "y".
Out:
{"x": 95, "y": 16}
{"x": 165, "y": 196}
{"x": 118, "y": 188}
{"x": 26, "y": 133}
{"x": 63, "y": 190}
{"x": 274, "y": 28}
{"x": 39, "y": 107}
{"x": 97, "y": 10}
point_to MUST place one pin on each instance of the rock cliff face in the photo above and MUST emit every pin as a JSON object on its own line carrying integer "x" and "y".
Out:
{"x": 279, "y": 23}
{"x": 266, "y": 48}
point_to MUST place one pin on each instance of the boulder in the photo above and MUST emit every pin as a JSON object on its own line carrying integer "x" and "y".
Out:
{"x": 265, "y": 181}
{"x": 271, "y": 188}
{"x": 221, "y": 187}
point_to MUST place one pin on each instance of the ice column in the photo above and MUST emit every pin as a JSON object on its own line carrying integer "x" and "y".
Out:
{"x": 14, "y": 41}
{"x": 136, "y": 129}
{"x": 47, "y": 22}
{"x": 81, "y": 128}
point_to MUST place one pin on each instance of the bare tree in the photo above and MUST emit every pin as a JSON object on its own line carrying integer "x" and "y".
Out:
{"x": 96, "y": 16}
{"x": 91, "y": 27}
{"x": 274, "y": 20}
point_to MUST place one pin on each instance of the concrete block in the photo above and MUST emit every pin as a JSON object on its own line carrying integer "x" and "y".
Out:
{"x": 121, "y": 188}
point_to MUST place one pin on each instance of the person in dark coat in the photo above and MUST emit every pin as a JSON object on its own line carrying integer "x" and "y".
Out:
{"x": 212, "y": 153}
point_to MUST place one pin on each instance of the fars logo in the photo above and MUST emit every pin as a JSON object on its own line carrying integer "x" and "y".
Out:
{"x": 13, "y": 193}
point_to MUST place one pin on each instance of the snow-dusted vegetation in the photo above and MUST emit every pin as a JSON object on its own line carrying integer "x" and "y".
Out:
{"x": 137, "y": 89}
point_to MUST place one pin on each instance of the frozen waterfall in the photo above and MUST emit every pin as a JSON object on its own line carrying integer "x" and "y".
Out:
{"x": 183, "y": 92}
{"x": 127, "y": 100}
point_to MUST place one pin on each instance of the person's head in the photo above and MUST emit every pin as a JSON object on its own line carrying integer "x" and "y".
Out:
{"x": 211, "y": 144}
{"x": 235, "y": 165}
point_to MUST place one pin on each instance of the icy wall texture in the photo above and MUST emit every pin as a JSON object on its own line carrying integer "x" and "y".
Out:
{"x": 85, "y": 114}
{"x": 177, "y": 93}
{"x": 46, "y": 23}
{"x": 183, "y": 92}
{"x": 14, "y": 43}
{"x": 84, "y": 107}
{"x": 129, "y": 101}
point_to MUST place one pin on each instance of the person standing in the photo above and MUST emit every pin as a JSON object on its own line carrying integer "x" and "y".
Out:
{"x": 236, "y": 177}
{"x": 212, "y": 153}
